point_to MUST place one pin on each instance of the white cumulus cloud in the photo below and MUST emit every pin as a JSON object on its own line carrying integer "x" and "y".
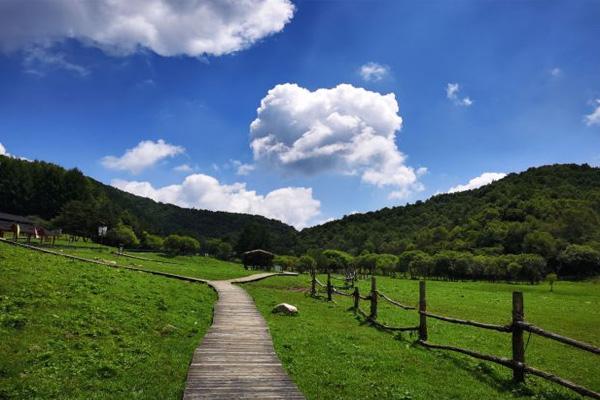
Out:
{"x": 481, "y": 180}
{"x": 452, "y": 93}
{"x": 373, "y": 72}
{"x": 167, "y": 27}
{"x": 3, "y": 151}
{"x": 142, "y": 156}
{"x": 345, "y": 129}
{"x": 292, "y": 205}
{"x": 593, "y": 118}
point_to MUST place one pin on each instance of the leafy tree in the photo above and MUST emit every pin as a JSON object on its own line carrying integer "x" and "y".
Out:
{"x": 287, "y": 263}
{"x": 152, "y": 242}
{"x": 122, "y": 235}
{"x": 420, "y": 265}
{"x": 338, "y": 260}
{"x": 306, "y": 263}
{"x": 540, "y": 242}
{"x": 579, "y": 260}
{"x": 386, "y": 263}
{"x": 176, "y": 244}
{"x": 224, "y": 251}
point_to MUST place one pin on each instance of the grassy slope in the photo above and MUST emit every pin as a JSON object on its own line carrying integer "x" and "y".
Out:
{"x": 330, "y": 354}
{"x": 194, "y": 266}
{"x": 80, "y": 331}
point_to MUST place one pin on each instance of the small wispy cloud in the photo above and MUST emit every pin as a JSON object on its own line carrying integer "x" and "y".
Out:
{"x": 183, "y": 168}
{"x": 38, "y": 60}
{"x": 241, "y": 168}
{"x": 477, "y": 182}
{"x": 373, "y": 72}
{"x": 593, "y": 118}
{"x": 452, "y": 93}
{"x": 556, "y": 72}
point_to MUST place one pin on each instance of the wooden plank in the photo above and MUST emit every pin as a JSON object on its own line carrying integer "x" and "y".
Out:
{"x": 236, "y": 359}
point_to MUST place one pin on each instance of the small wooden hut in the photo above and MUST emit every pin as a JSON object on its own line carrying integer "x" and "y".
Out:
{"x": 258, "y": 259}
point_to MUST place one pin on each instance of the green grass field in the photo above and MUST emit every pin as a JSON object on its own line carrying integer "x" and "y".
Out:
{"x": 71, "y": 329}
{"x": 74, "y": 330}
{"x": 193, "y": 266}
{"x": 331, "y": 354}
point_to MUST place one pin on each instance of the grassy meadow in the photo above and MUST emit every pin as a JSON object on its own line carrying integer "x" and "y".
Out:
{"x": 73, "y": 330}
{"x": 193, "y": 266}
{"x": 332, "y": 354}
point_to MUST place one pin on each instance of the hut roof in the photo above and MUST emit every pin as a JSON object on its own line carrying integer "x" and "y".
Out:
{"x": 5, "y": 217}
{"x": 259, "y": 251}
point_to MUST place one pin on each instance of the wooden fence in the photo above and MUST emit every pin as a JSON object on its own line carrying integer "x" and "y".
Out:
{"x": 516, "y": 328}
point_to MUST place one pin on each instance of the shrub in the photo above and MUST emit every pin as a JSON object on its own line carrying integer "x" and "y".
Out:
{"x": 176, "y": 244}
{"x": 152, "y": 242}
{"x": 122, "y": 235}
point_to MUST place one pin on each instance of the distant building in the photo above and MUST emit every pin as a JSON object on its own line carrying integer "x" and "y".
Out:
{"x": 19, "y": 225}
{"x": 258, "y": 259}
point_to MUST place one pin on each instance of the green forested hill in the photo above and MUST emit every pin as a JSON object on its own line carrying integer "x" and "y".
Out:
{"x": 45, "y": 190}
{"x": 549, "y": 216}
{"x": 540, "y": 211}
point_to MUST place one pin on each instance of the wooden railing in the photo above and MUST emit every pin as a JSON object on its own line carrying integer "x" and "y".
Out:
{"x": 517, "y": 327}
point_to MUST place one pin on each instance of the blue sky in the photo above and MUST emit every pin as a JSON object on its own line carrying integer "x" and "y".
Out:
{"x": 481, "y": 87}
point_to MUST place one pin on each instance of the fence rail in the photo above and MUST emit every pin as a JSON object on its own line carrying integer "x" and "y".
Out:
{"x": 516, "y": 328}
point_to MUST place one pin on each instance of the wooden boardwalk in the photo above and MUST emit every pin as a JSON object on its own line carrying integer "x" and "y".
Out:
{"x": 236, "y": 359}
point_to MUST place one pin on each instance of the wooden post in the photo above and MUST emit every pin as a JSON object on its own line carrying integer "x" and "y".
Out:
{"x": 518, "y": 347}
{"x": 329, "y": 287}
{"x": 356, "y": 298}
{"x": 422, "y": 309}
{"x": 313, "y": 282}
{"x": 373, "y": 314}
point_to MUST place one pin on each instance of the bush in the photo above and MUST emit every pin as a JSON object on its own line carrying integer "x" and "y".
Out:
{"x": 176, "y": 244}
{"x": 122, "y": 235}
{"x": 152, "y": 242}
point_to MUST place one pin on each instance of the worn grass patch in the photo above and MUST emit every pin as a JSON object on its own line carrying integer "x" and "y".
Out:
{"x": 73, "y": 330}
{"x": 331, "y": 354}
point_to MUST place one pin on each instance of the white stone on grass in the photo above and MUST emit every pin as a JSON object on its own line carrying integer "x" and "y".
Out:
{"x": 285, "y": 308}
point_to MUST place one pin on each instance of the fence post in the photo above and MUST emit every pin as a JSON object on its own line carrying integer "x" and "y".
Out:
{"x": 356, "y": 298}
{"x": 422, "y": 310}
{"x": 313, "y": 283}
{"x": 518, "y": 348}
{"x": 373, "y": 314}
{"x": 329, "y": 286}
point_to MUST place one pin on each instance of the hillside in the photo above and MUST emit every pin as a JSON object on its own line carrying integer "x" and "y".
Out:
{"x": 541, "y": 211}
{"x": 44, "y": 189}
{"x": 74, "y": 330}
